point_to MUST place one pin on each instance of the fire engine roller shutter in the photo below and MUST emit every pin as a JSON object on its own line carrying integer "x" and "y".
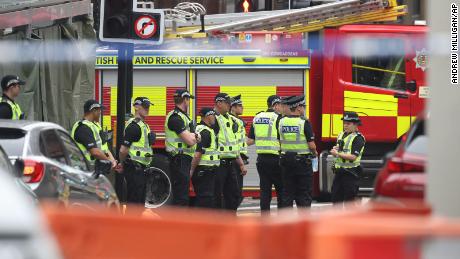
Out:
{"x": 254, "y": 85}
{"x": 157, "y": 85}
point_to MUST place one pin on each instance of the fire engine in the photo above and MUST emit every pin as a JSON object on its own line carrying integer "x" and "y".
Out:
{"x": 375, "y": 70}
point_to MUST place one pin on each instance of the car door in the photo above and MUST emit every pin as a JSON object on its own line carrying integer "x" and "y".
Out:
{"x": 67, "y": 181}
{"x": 91, "y": 188}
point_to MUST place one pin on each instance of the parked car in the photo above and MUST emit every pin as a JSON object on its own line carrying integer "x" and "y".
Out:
{"x": 54, "y": 167}
{"x": 16, "y": 171}
{"x": 24, "y": 233}
{"x": 403, "y": 175}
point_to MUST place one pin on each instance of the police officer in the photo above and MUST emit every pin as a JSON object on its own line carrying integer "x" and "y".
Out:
{"x": 11, "y": 87}
{"x": 206, "y": 160}
{"x": 236, "y": 110}
{"x": 264, "y": 134}
{"x": 348, "y": 153}
{"x": 180, "y": 145}
{"x": 136, "y": 151}
{"x": 227, "y": 177}
{"x": 297, "y": 149}
{"x": 89, "y": 136}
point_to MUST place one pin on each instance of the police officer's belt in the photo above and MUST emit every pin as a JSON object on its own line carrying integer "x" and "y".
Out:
{"x": 227, "y": 161}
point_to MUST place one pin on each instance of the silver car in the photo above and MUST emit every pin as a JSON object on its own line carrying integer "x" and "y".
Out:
{"x": 54, "y": 167}
{"x": 23, "y": 230}
{"x": 16, "y": 171}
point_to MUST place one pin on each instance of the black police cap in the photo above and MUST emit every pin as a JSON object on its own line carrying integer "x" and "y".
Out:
{"x": 286, "y": 99}
{"x": 296, "y": 101}
{"x": 90, "y": 105}
{"x": 222, "y": 97}
{"x": 206, "y": 111}
{"x": 183, "y": 93}
{"x": 236, "y": 100}
{"x": 10, "y": 80}
{"x": 141, "y": 100}
{"x": 272, "y": 100}
{"x": 351, "y": 117}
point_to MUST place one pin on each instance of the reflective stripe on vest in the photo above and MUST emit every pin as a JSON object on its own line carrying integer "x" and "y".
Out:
{"x": 227, "y": 141}
{"x": 95, "y": 130}
{"x": 105, "y": 146}
{"x": 15, "y": 109}
{"x": 292, "y": 136}
{"x": 141, "y": 151}
{"x": 174, "y": 144}
{"x": 241, "y": 135}
{"x": 348, "y": 143}
{"x": 210, "y": 157}
{"x": 265, "y": 137}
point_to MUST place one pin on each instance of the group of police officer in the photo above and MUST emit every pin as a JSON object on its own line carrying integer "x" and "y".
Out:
{"x": 213, "y": 154}
{"x": 285, "y": 149}
{"x": 209, "y": 154}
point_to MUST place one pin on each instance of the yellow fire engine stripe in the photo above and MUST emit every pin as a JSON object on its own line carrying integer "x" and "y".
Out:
{"x": 307, "y": 92}
{"x": 254, "y": 97}
{"x": 191, "y": 89}
{"x": 379, "y": 69}
{"x": 370, "y": 104}
{"x": 156, "y": 94}
{"x": 331, "y": 121}
{"x": 326, "y": 126}
{"x": 403, "y": 125}
{"x": 337, "y": 125}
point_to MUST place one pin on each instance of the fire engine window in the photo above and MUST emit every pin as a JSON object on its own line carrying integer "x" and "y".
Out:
{"x": 379, "y": 62}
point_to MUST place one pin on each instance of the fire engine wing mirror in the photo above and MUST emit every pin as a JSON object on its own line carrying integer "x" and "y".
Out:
{"x": 411, "y": 86}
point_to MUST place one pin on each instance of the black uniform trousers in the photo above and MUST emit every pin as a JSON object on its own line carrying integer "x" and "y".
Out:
{"x": 268, "y": 167}
{"x": 345, "y": 186}
{"x": 203, "y": 180}
{"x": 227, "y": 192}
{"x": 297, "y": 175}
{"x": 135, "y": 181}
{"x": 240, "y": 179}
{"x": 179, "y": 166}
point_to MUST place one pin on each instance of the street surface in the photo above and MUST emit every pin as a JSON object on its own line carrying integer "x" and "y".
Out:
{"x": 250, "y": 207}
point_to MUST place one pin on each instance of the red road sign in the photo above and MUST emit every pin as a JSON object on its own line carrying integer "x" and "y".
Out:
{"x": 145, "y": 26}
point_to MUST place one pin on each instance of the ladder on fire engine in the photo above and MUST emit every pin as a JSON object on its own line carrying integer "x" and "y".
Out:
{"x": 302, "y": 20}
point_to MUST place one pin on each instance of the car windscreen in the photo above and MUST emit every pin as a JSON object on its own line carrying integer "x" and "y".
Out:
{"x": 12, "y": 141}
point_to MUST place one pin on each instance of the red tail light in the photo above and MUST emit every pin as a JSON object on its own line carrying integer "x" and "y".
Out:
{"x": 33, "y": 171}
{"x": 398, "y": 165}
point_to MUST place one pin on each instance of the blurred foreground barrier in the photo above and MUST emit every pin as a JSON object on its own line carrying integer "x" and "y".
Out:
{"x": 379, "y": 236}
{"x": 157, "y": 234}
{"x": 370, "y": 232}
